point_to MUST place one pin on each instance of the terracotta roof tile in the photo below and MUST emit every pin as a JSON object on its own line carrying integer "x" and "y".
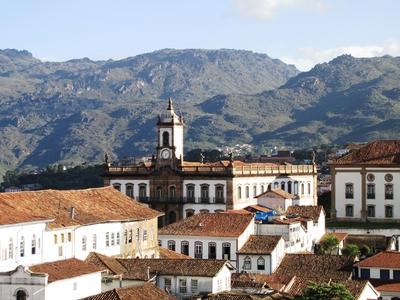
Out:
{"x": 105, "y": 262}
{"x": 306, "y": 211}
{"x": 243, "y": 295}
{"x": 64, "y": 269}
{"x": 339, "y": 235}
{"x": 166, "y": 253}
{"x": 336, "y": 267}
{"x": 260, "y": 244}
{"x": 277, "y": 192}
{"x": 91, "y": 206}
{"x": 386, "y": 286}
{"x": 276, "y": 282}
{"x": 210, "y": 224}
{"x": 257, "y": 207}
{"x": 378, "y": 152}
{"x": 146, "y": 291}
{"x": 385, "y": 259}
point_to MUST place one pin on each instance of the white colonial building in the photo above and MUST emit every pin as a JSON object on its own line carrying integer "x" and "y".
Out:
{"x": 49, "y": 225}
{"x": 366, "y": 183}
{"x": 181, "y": 189}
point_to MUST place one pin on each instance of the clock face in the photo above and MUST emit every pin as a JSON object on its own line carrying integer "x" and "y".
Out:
{"x": 165, "y": 154}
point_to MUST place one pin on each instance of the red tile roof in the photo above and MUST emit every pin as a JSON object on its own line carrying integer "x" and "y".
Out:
{"x": 257, "y": 207}
{"x": 339, "y": 235}
{"x": 383, "y": 152}
{"x": 104, "y": 262}
{"x": 166, "y": 253}
{"x": 386, "y": 286}
{"x": 210, "y": 224}
{"x": 306, "y": 211}
{"x": 146, "y": 291}
{"x": 260, "y": 244}
{"x": 277, "y": 192}
{"x": 91, "y": 206}
{"x": 384, "y": 259}
{"x": 64, "y": 269}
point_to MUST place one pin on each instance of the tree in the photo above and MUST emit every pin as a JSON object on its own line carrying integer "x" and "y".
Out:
{"x": 326, "y": 291}
{"x": 365, "y": 251}
{"x": 351, "y": 250}
{"x": 329, "y": 245}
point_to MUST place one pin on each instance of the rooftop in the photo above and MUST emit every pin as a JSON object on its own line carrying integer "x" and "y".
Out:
{"x": 64, "y": 269}
{"x": 240, "y": 295}
{"x": 90, "y": 206}
{"x": 339, "y": 235}
{"x": 381, "y": 152}
{"x": 384, "y": 259}
{"x": 210, "y": 224}
{"x": 260, "y": 244}
{"x": 166, "y": 253}
{"x": 306, "y": 211}
{"x": 277, "y": 193}
{"x": 146, "y": 291}
{"x": 386, "y": 285}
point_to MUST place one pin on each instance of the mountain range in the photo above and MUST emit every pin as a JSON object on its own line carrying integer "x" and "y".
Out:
{"x": 77, "y": 110}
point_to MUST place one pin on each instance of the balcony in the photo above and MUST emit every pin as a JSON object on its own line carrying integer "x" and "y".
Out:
{"x": 349, "y": 195}
{"x": 370, "y": 196}
{"x": 388, "y": 196}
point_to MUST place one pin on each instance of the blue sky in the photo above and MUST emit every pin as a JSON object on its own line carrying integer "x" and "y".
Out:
{"x": 303, "y": 32}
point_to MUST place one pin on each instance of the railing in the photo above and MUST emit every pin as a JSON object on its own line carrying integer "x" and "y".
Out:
{"x": 349, "y": 195}
{"x": 371, "y": 196}
{"x": 182, "y": 200}
{"x": 284, "y": 169}
{"x": 389, "y": 196}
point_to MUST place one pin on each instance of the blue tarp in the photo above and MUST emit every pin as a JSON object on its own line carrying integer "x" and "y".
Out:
{"x": 263, "y": 216}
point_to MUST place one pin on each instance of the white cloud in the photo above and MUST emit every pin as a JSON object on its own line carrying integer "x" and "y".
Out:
{"x": 266, "y": 9}
{"x": 309, "y": 57}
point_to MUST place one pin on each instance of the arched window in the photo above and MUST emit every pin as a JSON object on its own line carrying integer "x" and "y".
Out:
{"x": 308, "y": 188}
{"x": 55, "y": 239}
{"x": 171, "y": 217}
{"x": 84, "y": 243}
{"x": 159, "y": 193}
{"x": 276, "y": 185}
{"x": 296, "y": 188}
{"x": 204, "y": 211}
{"x": 165, "y": 139}
{"x": 172, "y": 192}
{"x": 21, "y": 295}
{"x": 247, "y": 192}
{"x": 254, "y": 191}
{"x": 283, "y": 184}
{"x": 129, "y": 189}
{"x": 198, "y": 249}
{"x": 22, "y": 247}
{"x": 247, "y": 263}
{"x": 289, "y": 187}
{"x": 10, "y": 248}
{"x": 33, "y": 245}
{"x": 117, "y": 186}
{"x": 302, "y": 188}
{"x": 171, "y": 245}
{"x": 260, "y": 263}
{"x": 239, "y": 192}
{"x": 189, "y": 213}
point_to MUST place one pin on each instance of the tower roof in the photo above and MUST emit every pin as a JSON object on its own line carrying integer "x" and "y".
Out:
{"x": 170, "y": 117}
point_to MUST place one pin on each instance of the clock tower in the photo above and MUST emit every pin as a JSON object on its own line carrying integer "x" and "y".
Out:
{"x": 170, "y": 138}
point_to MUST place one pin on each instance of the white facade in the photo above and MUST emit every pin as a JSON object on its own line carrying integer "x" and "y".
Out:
{"x": 36, "y": 286}
{"x": 254, "y": 263}
{"x": 135, "y": 183}
{"x": 376, "y": 182}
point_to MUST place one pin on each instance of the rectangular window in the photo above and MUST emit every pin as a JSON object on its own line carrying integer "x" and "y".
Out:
{"x": 94, "y": 242}
{"x": 396, "y": 274}
{"x": 194, "y": 286}
{"x": 254, "y": 190}
{"x": 349, "y": 191}
{"x": 69, "y": 236}
{"x": 389, "y": 191}
{"x": 112, "y": 239}
{"x": 171, "y": 245}
{"x": 118, "y": 239}
{"x": 212, "y": 251}
{"x": 62, "y": 238}
{"x": 60, "y": 250}
{"x": 349, "y": 211}
{"x": 226, "y": 251}
{"x": 384, "y": 274}
{"x": 371, "y": 191}
{"x": 144, "y": 235}
{"x": 84, "y": 243}
{"x": 130, "y": 236}
{"x": 107, "y": 239}
{"x": 185, "y": 248}
{"x": 138, "y": 234}
{"x": 55, "y": 239}
{"x": 182, "y": 286}
{"x": 198, "y": 250}
{"x": 365, "y": 273}
{"x": 389, "y": 211}
{"x": 371, "y": 211}
{"x": 167, "y": 284}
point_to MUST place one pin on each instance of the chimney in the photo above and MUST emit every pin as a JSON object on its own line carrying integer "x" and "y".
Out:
{"x": 72, "y": 213}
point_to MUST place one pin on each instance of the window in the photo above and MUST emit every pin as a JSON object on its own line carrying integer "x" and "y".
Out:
{"x": 112, "y": 239}
{"x": 94, "y": 241}
{"x": 247, "y": 192}
{"x": 384, "y": 274}
{"x": 62, "y": 238}
{"x": 289, "y": 187}
{"x": 129, "y": 190}
{"x": 144, "y": 235}
{"x": 142, "y": 191}
{"x": 254, "y": 190}
{"x": 22, "y": 247}
{"x": 137, "y": 234}
{"x": 205, "y": 192}
{"x": 182, "y": 286}
{"x": 219, "y": 193}
{"x": 75, "y": 286}
{"x": 55, "y": 239}
{"x": 172, "y": 192}
{"x": 171, "y": 245}
{"x": 247, "y": 263}
{"x": 349, "y": 211}
{"x": 107, "y": 239}
{"x": 33, "y": 245}
{"x": 130, "y": 236}
{"x": 283, "y": 185}
{"x": 84, "y": 243}
{"x": 159, "y": 193}
{"x": 388, "y": 211}
{"x": 371, "y": 211}
{"x": 260, "y": 263}
{"x": 10, "y": 248}
{"x": 212, "y": 250}
{"x": 167, "y": 284}
{"x": 117, "y": 186}
{"x": 296, "y": 188}
{"x": 276, "y": 185}
{"x": 165, "y": 139}
{"x": 69, "y": 236}
{"x": 126, "y": 236}
{"x": 185, "y": 247}
{"x": 349, "y": 191}
{"x": 171, "y": 217}
{"x": 396, "y": 274}
{"x": 190, "y": 192}
{"x": 198, "y": 250}
{"x": 239, "y": 192}
{"x": 21, "y": 295}
{"x": 308, "y": 188}
{"x": 226, "y": 251}
{"x": 370, "y": 191}
{"x": 189, "y": 213}
{"x": 365, "y": 273}
{"x": 118, "y": 239}
{"x": 389, "y": 191}
{"x": 60, "y": 250}
{"x": 194, "y": 286}
{"x": 302, "y": 188}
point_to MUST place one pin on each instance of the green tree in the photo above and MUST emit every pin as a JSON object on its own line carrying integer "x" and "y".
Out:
{"x": 329, "y": 245}
{"x": 365, "y": 251}
{"x": 326, "y": 291}
{"x": 351, "y": 250}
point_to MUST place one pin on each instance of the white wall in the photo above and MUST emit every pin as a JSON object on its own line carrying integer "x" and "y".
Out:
{"x": 197, "y": 187}
{"x": 197, "y": 208}
{"x": 135, "y": 182}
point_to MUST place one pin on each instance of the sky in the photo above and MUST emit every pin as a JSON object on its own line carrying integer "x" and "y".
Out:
{"x": 300, "y": 32}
